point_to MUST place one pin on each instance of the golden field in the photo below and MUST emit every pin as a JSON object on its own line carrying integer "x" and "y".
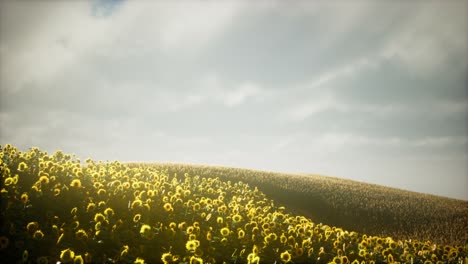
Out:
{"x": 55, "y": 208}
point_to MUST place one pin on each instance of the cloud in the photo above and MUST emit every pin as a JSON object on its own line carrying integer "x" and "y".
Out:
{"x": 429, "y": 41}
{"x": 69, "y": 34}
{"x": 240, "y": 94}
{"x": 190, "y": 24}
{"x": 348, "y": 142}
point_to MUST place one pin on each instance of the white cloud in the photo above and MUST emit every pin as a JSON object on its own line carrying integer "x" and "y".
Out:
{"x": 343, "y": 71}
{"x": 346, "y": 141}
{"x": 440, "y": 141}
{"x": 43, "y": 48}
{"x": 211, "y": 89}
{"x": 338, "y": 141}
{"x": 452, "y": 107}
{"x": 240, "y": 94}
{"x": 314, "y": 106}
{"x": 188, "y": 24}
{"x": 428, "y": 39}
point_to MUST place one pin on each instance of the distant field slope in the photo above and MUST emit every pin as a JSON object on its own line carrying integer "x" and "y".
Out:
{"x": 367, "y": 208}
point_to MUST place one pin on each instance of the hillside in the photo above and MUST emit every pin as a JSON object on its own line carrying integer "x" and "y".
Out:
{"x": 363, "y": 207}
{"x": 57, "y": 209}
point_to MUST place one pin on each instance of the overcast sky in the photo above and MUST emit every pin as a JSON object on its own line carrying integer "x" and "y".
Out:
{"x": 372, "y": 91}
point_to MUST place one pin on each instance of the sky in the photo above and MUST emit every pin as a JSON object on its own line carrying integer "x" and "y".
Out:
{"x": 374, "y": 91}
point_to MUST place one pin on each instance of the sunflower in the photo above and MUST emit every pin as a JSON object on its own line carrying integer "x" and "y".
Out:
{"x": 224, "y": 231}
{"x": 38, "y": 235}
{"x": 99, "y": 217}
{"x": 101, "y": 192}
{"x": 76, "y": 183}
{"x": 124, "y": 251}
{"x": 166, "y": 258}
{"x": 283, "y": 239}
{"x": 145, "y": 231}
{"x": 24, "y": 198}
{"x": 224, "y": 241}
{"x": 22, "y": 166}
{"x": 78, "y": 260}
{"x": 336, "y": 260}
{"x": 81, "y": 234}
{"x": 44, "y": 179}
{"x": 90, "y": 207}
{"x": 219, "y": 220}
{"x": 182, "y": 225}
{"x": 192, "y": 245}
{"x": 139, "y": 261}
{"x": 241, "y": 234}
{"x": 168, "y": 207}
{"x": 195, "y": 260}
{"x": 236, "y": 218}
{"x": 32, "y": 226}
{"x": 253, "y": 259}
{"x": 222, "y": 209}
{"x": 172, "y": 225}
{"x": 196, "y": 207}
{"x": 25, "y": 256}
{"x": 73, "y": 210}
{"x": 67, "y": 255}
{"x": 75, "y": 225}
{"x": 285, "y": 257}
{"x": 362, "y": 252}
{"x": 8, "y": 181}
{"x": 109, "y": 212}
{"x": 190, "y": 230}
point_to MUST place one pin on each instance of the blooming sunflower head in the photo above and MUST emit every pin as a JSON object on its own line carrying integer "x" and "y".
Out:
{"x": 253, "y": 259}
{"x": 90, "y": 207}
{"x": 22, "y": 166}
{"x": 99, "y": 217}
{"x": 81, "y": 234}
{"x": 139, "y": 261}
{"x": 168, "y": 207}
{"x": 192, "y": 245}
{"x": 241, "y": 234}
{"x": 67, "y": 255}
{"x": 76, "y": 183}
{"x": 236, "y": 218}
{"x": 32, "y": 227}
{"x": 24, "y": 198}
{"x": 224, "y": 231}
{"x": 38, "y": 235}
{"x": 285, "y": 257}
{"x": 145, "y": 231}
{"x": 109, "y": 212}
{"x": 196, "y": 260}
{"x": 78, "y": 260}
{"x": 166, "y": 258}
{"x": 136, "y": 218}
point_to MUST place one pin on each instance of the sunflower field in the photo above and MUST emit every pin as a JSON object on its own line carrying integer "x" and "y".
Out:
{"x": 57, "y": 209}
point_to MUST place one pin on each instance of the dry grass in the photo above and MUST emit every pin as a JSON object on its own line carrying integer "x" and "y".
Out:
{"x": 363, "y": 207}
